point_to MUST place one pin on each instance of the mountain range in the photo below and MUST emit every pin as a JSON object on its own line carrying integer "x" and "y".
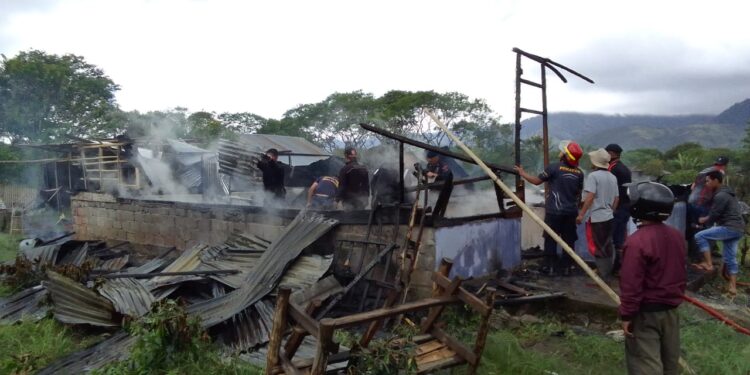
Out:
{"x": 646, "y": 131}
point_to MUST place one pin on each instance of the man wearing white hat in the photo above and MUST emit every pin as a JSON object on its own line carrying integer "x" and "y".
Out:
{"x": 601, "y": 197}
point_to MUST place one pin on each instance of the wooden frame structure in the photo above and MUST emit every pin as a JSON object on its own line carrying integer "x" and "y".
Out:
{"x": 435, "y": 348}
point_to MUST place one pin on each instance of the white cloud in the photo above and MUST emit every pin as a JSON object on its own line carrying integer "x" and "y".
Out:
{"x": 267, "y": 57}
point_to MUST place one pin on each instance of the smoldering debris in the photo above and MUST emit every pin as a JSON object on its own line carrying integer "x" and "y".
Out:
{"x": 110, "y": 293}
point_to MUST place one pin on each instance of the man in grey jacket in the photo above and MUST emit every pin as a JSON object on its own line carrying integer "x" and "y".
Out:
{"x": 729, "y": 228}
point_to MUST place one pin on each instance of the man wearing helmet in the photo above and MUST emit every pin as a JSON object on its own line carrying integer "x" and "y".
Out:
{"x": 565, "y": 181}
{"x": 652, "y": 282}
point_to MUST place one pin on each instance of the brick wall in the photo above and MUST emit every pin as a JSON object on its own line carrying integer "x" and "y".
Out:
{"x": 104, "y": 217}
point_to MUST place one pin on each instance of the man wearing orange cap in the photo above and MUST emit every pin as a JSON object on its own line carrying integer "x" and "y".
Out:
{"x": 565, "y": 181}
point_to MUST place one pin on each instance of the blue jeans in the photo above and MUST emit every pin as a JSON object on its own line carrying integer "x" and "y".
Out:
{"x": 729, "y": 237}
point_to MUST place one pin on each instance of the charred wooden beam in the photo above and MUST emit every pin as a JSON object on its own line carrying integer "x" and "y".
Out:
{"x": 436, "y": 149}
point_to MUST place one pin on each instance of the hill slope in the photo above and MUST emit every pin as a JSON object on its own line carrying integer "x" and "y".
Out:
{"x": 643, "y": 131}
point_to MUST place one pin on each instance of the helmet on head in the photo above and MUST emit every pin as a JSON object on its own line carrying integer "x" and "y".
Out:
{"x": 571, "y": 151}
{"x": 650, "y": 201}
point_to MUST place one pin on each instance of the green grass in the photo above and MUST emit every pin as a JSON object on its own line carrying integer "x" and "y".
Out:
{"x": 29, "y": 346}
{"x": 8, "y": 247}
{"x": 551, "y": 347}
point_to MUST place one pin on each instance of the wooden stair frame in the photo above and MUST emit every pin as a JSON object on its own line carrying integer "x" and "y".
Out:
{"x": 433, "y": 341}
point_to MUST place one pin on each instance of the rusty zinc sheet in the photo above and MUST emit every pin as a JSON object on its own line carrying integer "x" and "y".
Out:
{"x": 73, "y": 303}
{"x": 299, "y": 234}
{"x": 114, "y": 264}
{"x": 129, "y": 296}
{"x": 26, "y": 304}
{"x": 306, "y": 271}
{"x": 115, "y": 348}
{"x": 252, "y": 326}
{"x": 189, "y": 260}
{"x": 42, "y": 254}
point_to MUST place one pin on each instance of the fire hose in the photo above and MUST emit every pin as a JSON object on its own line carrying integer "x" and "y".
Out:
{"x": 711, "y": 311}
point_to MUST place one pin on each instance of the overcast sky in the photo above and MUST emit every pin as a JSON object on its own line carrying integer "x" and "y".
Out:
{"x": 265, "y": 57}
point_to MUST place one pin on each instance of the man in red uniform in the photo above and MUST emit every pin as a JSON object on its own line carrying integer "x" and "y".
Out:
{"x": 652, "y": 283}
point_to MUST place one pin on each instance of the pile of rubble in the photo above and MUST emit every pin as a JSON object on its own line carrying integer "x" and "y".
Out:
{"x": 228, "y": 287}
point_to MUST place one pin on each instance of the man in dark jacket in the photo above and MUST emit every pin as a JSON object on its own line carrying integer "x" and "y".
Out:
{"x": 354, "y": 183}
{"x": 652, "y": 281}
{"x": 622, "y": 213}
{"x": 565, "y": 182}
{"x": 730, "y": 227}
{"x": 273, "y": 174}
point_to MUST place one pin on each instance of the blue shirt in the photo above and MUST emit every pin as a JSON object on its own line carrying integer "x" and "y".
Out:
{"x": 565, "y": 186}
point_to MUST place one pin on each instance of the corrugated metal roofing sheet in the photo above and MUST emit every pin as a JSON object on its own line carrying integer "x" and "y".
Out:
{"x": 115, "y": 348}
{"x": 25, "y": 304}
{"x": 75, "y": 304}
{"x": 299, "y": 234}
{"x": 283, "y": 143}
{"x": 129, "y": 296}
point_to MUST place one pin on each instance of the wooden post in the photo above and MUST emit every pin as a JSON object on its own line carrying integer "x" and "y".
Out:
{"x": 299, "y": 333}
{"x": 325, "y": 335}
{"x": 277, "y": 331}
{"x": 443, "y": 269}
{"x": 484, "y": 327}
{"x": 611, "y": 293}
{"x": 375, "y": 326}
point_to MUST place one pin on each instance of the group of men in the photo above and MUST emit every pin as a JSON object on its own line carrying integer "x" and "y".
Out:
{"x": 653, "y": 259}
{"x": 350, "y": 189}
{"x": 605, "y": 204}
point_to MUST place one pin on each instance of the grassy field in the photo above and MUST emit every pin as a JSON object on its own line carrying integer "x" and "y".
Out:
{"x": 551, "y": 346}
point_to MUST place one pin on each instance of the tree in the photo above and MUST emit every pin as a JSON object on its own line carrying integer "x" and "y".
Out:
{"x": 44, "y": 97}
{"x": 157, "y": 125}
{"x": 206, "y": 128}
{"x": 334, "y": 122}
{"x": 683, "y": 148}
{"x": 243, "y": 122}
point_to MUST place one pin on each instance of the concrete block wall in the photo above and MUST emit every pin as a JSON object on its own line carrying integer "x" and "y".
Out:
{"x": 104, "y": 217}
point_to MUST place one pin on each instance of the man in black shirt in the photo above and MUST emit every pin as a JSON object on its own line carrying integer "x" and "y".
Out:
{"x": 622, "y": 211}
{"x": 565, "y": 181}
{"x": 354, "y": 183}
{"x": 273, "y": 174}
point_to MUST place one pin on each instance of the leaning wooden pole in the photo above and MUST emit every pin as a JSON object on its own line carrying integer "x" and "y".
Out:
{"x": 611, "y": 293}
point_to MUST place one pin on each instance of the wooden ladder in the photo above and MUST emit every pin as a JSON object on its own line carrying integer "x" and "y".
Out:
{"x": 16, "y": 221}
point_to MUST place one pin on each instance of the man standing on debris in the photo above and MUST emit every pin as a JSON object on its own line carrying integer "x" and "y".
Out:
{"x": 601, "y": 196}
{"x": 622, "y": 212}
{"x": 730, "y": 227}
{"x": 437, "y": 168}
{"x": 322, "y": 192}
{"x": 273, "y": 174}
{"x": 440, "y": 170}
{"x": 354, "y": 183}
{"x": 565, "y": 181}
{"x": 652, "y": 282}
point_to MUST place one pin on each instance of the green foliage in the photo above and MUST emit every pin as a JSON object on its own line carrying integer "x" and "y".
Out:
{"x": 206, "y": 128}
{"x": 45, "y": 97}
{"x": 682, "y": 149}
{"x": 10, "y": 172}
{"x": 170, "y": 342}
{"x": 157, "y": 124}
{"x": 383, "y": 357}
{"x": 29, "y": 346}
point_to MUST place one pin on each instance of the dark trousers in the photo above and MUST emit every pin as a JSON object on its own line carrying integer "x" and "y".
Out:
{"x": 605, "y": 249}
{"x": 655, "y": 345}
{"x": 620, "y": 226}
{"x": 565, "y": 227}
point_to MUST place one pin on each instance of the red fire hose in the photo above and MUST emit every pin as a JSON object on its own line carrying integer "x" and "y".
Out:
{"x": 717, "y": 315}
